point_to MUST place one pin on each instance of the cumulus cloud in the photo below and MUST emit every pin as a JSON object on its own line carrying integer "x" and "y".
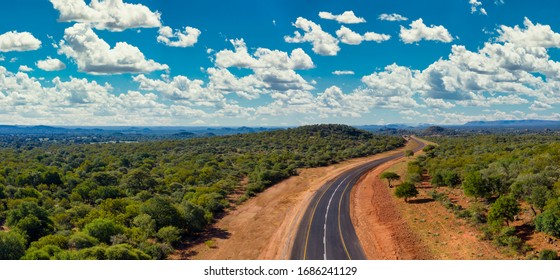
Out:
{"x": 113, "y": 15}
{"x": 181, "y": 88}
{"x": 531, "y": 36}
{"x": 540, "y": 106}
{"x": 23, "y": 99}
{"x": 94, "y": 56}
{"x": 506, "y": 71}
{"x": 392, "y": 17}
{"x": 343, "y": 72}
{"x": 25, "y": 68}
{"x": 51, "y": 64}
{"x": 476, "y": 6}
{"x": 262, "y": 58}
{"x": 347, "y": 17}
{"x": 18, "y": 41}
{"x": 178, "y": 38}
{"x": 418, "y": 31}
{"x": 438, "y": 103}
{"x": 273, "y": 70}
{"x": 347, "y": 36}
{"x": 323, "y": 42}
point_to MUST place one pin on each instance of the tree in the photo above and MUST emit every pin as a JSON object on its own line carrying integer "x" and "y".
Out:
{"x": 169, "y": 234}
{"x": 163, "y": 212}
{"x": 408, "y": 153}
{"x": 549, "y": 221}
{"x": 31, "y": 219}
{"x": 406, "y": 190}
{"x": 12, "y": 245}
{"x": 103, "y": 229}
{"x": 390, "y": 176}
{"x": 504, "y": 209}
{"x": 475, "y": 186}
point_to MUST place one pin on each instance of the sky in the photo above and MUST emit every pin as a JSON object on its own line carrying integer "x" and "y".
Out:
{"x": 277, "y": 63}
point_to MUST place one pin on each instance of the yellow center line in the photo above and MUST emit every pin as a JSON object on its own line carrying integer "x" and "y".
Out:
{"x": 311, "y": 219}
{"x": 339, "y": 228}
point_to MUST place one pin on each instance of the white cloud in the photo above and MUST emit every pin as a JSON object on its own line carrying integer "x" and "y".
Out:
{"x": 186, "y": 38}
{"x": 24, "y": 99}
{"x": 513, "y": 72}
{"x": 343, "y": 72}
{"x": 51, "y": 64}
{"x": 418, "y": 31}
{"x": 438, "y": 103}
{"x": 532, "y": 36}
{"x": 347, "y": 36}
{"x": 323, "y": 42}
{"x": 262, "y": 58}
{"x": 392, "y": 17}
{"x": 273, "y": 70}
{"x": 113, "y": 15}
{"x": 25, "y": 68}
{"x": 476, "y": 6}
{"x": 540, "y": 106}
{"x": 18, "y": 41}
{"x": 347, "y": 17}
{"x": 95, "y": 56}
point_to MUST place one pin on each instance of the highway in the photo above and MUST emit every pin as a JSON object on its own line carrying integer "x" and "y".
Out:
{"x": 326, "y": 231}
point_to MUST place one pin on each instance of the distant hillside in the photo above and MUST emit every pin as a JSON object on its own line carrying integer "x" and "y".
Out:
{"x": 515, "y": 123}
{"x": 329, "y": 130}
{"x": 436, "y": 130}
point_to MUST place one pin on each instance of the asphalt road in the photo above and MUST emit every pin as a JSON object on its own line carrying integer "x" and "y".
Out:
{"x": 326, "y": 231}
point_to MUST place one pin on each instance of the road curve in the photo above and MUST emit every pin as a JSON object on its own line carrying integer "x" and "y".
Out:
{"x": 326, "y": 231}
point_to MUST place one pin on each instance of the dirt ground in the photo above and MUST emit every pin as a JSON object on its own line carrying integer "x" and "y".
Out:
{"x": 263, "y": 227}
{"x": 382, "y": 230}
{"x": 389, "y": 228}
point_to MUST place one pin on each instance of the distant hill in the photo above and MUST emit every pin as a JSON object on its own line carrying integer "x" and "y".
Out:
{"x": 515, "y": 123}
{"x": 329, "y": 130}
{"x": 436, "y": 130}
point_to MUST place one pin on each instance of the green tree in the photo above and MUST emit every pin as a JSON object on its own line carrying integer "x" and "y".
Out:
{"x": 81, "y": 240}
{"x": 549, "y": 221}
{"x": 103, "y": 229}
{"x": 146, "y": 224}
{"x": 194, "y": 217}
{"x": 503, "y": 210}
{"x": 31, "y": 219}
{"x": 408, "y": 153}
{"x": 390, "y": 176}
{"x": 475, "y": 186}
{"x": 406, "y": 190}
{"x": 163, "y": 212}
{"x": 12, "y": 245}
{"x": 169, "y": 234}
{"x": 125, "y": 252}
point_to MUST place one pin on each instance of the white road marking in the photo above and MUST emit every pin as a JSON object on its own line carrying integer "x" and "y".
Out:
{"x": 326, "y": 217}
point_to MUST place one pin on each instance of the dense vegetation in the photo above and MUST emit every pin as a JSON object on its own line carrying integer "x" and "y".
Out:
{"x": 138, "y": 200}
{"x": 506, "y": 175}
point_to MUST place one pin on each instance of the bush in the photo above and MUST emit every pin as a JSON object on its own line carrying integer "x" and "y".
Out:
{"x": 163, "y": 212}
{"x": 56, "y": 240}
{"x": 103, "y": 229}
{"x": 81, "y": 240}
{"x": 169, "y": 234}
{"x": 549, "y": 221}
{"x": 548, "y": 255}
{"x": 12, "y": 245}
{"x": 125, "y": 252}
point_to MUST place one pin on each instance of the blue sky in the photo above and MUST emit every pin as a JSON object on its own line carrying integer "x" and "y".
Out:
{"x": 172, "y": 62}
